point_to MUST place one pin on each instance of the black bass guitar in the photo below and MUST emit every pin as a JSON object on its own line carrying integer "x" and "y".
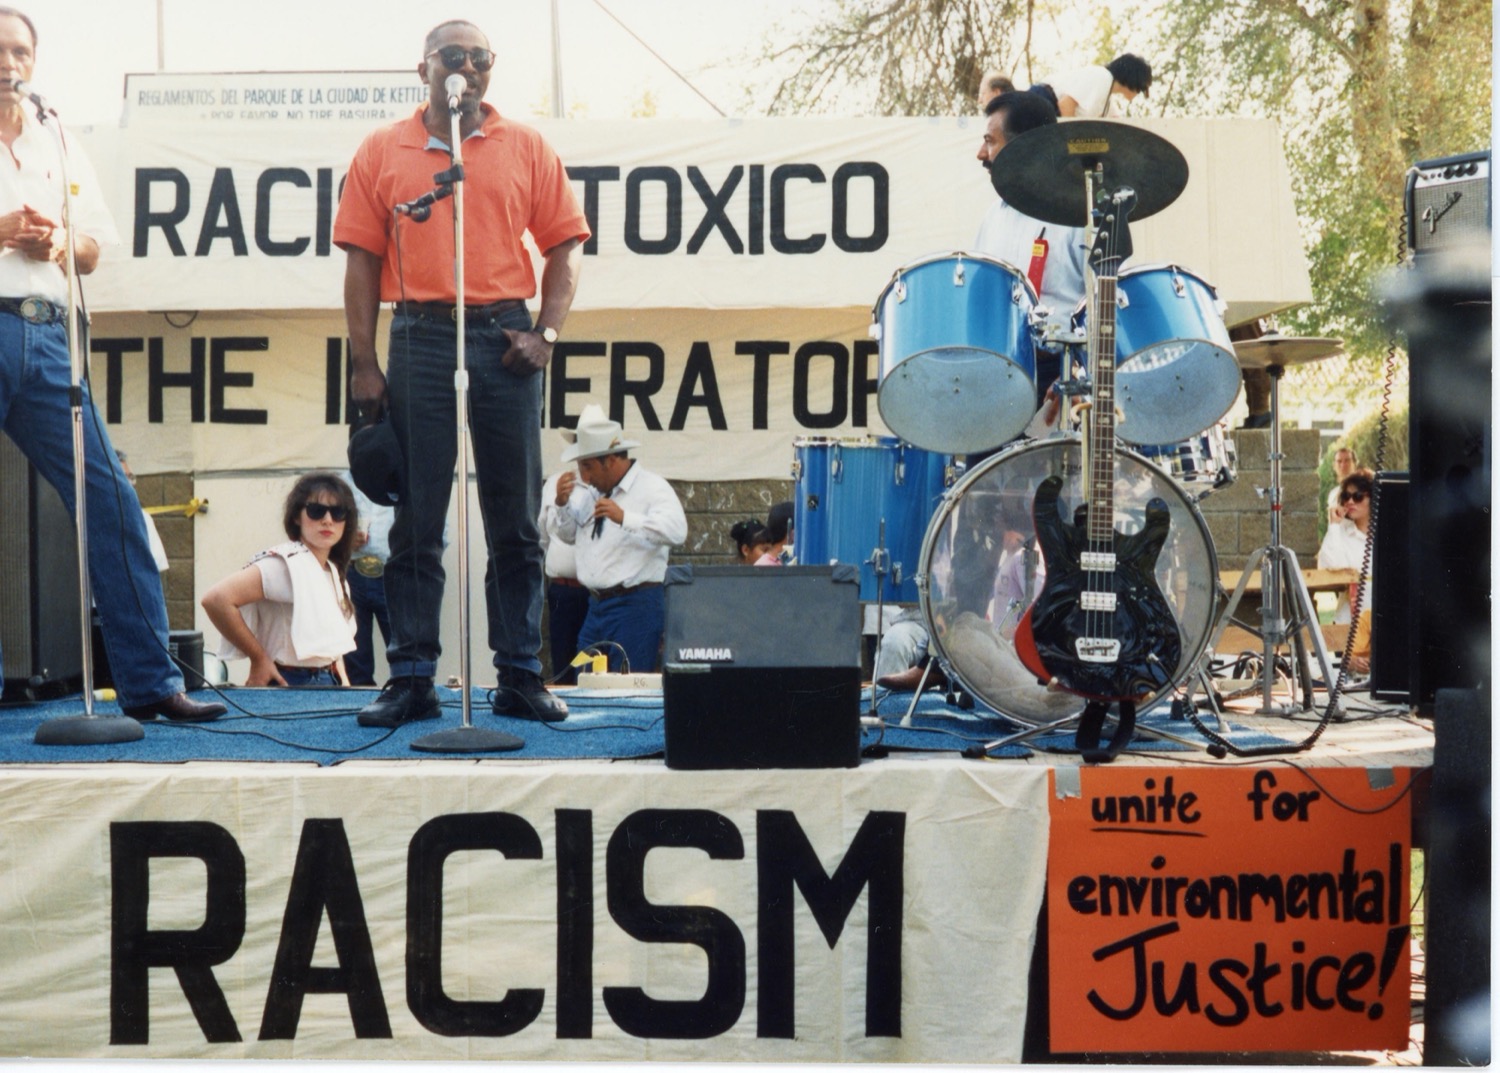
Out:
{"x": 1101, "y": 627}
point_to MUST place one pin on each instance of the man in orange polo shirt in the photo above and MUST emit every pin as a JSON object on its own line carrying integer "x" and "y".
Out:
{"x": 513, "y": 182}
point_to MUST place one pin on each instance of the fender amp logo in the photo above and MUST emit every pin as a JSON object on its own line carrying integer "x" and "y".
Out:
{"x": 706, "y": 655}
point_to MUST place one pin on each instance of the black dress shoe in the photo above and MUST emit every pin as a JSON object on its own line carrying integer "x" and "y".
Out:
{"x": 179, "y": 708}
{"x": 402, "y": 701}
{"x": 522, "y": 695}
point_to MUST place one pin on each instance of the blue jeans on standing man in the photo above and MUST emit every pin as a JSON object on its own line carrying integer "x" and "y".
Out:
{"x": 35, "y": 382}
{"x": 368, "y": 596}
{"x": 505, "y": 414}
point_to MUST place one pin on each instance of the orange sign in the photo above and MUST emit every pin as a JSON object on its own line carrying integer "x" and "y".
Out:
{"x": 1240, "y": 909}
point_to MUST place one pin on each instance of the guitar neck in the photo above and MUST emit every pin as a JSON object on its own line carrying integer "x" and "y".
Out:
{"x": 1101, "y": 461}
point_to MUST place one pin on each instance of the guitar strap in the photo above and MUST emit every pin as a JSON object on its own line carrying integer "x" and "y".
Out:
{"x": 1092, "y": 722}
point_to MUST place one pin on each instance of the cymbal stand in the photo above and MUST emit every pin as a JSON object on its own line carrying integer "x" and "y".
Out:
{"x": 1287, "y": 612}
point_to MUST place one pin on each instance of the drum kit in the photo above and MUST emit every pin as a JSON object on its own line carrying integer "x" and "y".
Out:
{"x": 959, "y": 336}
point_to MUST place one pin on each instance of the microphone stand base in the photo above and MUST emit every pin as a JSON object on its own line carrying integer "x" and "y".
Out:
{"x": 468, "y": 739}
{"x": 89, "y": 730}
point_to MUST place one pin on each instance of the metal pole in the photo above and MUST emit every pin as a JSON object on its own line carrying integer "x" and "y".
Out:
{"x": 557, "y": 79}
{"x": 161, "y": 37}
{"x": 466, "y": 738}
{"x": 87, "y": 729}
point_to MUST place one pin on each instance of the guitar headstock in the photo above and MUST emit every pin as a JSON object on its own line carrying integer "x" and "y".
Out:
{"x": 1112, "y": 244}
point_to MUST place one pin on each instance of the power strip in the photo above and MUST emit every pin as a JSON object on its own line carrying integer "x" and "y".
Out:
{"x": 589, "y": 680}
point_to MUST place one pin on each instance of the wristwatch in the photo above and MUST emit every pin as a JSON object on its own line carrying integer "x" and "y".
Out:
{"x": 549, "y": 335}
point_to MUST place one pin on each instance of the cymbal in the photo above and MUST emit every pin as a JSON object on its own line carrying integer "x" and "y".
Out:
{"x": 1284, "y": 350}
{"x": 1041, "y": 172}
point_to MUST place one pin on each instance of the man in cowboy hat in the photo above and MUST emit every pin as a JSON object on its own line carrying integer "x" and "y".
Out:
{"x": 622, "y": 521}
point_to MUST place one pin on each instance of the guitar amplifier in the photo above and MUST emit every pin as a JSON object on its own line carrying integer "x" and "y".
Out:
{"x": 1448, "y": 203}
{"x": 760, "y": 667}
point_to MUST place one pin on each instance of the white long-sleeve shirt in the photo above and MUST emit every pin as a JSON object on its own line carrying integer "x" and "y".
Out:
{"x": 628, "y": 553}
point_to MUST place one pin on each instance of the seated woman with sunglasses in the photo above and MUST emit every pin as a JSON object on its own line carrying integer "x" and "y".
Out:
{"x": 289, "y": 610}
{"x": 1344, "y": 546}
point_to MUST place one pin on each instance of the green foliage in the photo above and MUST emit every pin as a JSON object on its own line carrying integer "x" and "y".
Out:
{"x": 1361, "y": 90}
{"x": 901, "y": 57}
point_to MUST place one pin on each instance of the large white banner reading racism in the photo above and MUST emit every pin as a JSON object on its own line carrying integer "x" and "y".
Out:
{"x": 719, "y": 214}
{"x": 514, "y": 911}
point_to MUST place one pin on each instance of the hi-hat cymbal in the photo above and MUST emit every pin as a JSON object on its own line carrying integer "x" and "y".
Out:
{"x": 1041, "y": 172}
{"x": 1282, "y": 350}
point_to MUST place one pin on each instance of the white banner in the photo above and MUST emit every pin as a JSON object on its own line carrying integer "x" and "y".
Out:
{"x": 237, "y": 212}
{"x": 710, "y": 395}
{"x": 570, "y": 911}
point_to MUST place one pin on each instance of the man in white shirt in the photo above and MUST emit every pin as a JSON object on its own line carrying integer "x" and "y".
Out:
{"x": 567, "y": 599}
{"x": 1095, "y": 92}
{"x": 622, "y": 521}
{"x": 1048, "y": 254}
{"x": 36, "y": 383}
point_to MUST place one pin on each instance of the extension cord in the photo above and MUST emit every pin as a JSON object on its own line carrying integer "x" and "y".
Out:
{"x": 590, "y": 680}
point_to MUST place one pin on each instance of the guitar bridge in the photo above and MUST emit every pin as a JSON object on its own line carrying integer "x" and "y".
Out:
{"x": 1096, "y": 601}
{"x": 1097, "y": 649}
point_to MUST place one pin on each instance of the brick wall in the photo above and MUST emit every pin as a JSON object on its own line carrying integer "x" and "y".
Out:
{"x": 1239, "y": 518}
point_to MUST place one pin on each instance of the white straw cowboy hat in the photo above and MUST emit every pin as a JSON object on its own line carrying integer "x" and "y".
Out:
{"x": 596, "y": 436}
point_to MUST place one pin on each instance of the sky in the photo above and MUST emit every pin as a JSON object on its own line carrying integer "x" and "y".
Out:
{"x": 86, "y": 47}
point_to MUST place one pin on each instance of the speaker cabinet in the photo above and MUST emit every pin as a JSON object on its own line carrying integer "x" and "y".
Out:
{"x": 1391, "y": 640}
{"x": 1447, "y": 203}
{"x": 761, "y": 667}
{"x": 39, "y": 623}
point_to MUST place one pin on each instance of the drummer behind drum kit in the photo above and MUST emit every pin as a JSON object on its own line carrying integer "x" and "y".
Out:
{"x": 1060, "y": 575}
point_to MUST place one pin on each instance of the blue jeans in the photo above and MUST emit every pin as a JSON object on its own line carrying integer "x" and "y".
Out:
{"x": 308, "y": 676}
{"x": 633, "y": 621}
{"x": 35, "y": 380}
{"x": 567, "y": 607}
{"x": 368, "y": 595}
{"x": 505, "y": 416}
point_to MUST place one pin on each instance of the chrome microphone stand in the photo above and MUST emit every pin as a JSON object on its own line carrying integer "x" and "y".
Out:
{"x": 88, "y": 728}
{"x": 466, "y": 737}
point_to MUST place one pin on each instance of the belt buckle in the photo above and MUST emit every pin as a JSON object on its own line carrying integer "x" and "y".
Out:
{"x": 369, "y": 566}
{"x": 36, "y": 311}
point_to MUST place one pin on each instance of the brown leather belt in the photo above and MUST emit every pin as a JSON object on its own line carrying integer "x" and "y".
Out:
{"x": 623, "y": 590}
{"x": 568, "y": 582}
{"x": 331, "y": 668}
{"x": 449, "y": 312}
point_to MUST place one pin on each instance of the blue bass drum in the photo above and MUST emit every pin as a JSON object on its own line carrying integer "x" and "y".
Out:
{"x": 845, "y": 489}
{"x": 1175, "y": 369}
{"x": 957, "y": 366}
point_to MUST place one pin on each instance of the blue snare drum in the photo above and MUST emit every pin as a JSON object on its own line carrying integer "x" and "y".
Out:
{"x": 1175, "y": 373}
{"x": 957, "y": 368}
{"x": 845, "y": 488}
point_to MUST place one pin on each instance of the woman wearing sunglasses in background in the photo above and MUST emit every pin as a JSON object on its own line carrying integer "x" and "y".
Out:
{"x": 1344, "y": 546}
{"x": 289, "y": 610}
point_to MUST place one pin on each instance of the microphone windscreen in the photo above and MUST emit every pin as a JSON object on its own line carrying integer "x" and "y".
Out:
{"x": 455, "y": 85}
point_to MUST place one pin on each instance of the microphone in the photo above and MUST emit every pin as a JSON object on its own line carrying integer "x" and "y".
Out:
{"x": 454, "y": 86}
{"x": 421, "y": 207}
{"x": 43, "y": 108}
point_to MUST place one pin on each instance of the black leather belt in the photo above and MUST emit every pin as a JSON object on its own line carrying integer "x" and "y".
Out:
{"x": 35, "y": 310}
{"x": 623, "y": 590}
{"x": 449, "y": 312}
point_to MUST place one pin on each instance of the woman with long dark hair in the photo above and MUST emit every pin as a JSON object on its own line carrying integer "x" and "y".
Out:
{"x": 289, "y": 611}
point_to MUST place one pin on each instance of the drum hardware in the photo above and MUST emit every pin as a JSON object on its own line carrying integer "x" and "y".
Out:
{"x": 1288, "y": 614}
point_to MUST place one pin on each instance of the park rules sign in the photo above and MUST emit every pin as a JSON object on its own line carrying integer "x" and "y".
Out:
{"x": 1248, "y": 909}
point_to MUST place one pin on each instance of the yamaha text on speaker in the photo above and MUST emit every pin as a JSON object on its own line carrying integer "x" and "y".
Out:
{"x": 761, "y": 667}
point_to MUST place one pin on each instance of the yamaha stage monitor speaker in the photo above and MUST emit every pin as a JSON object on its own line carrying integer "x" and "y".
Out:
{"x": 1391, "y": 647}
{"x": 761, "y": 667}
{"x": 1447, "y": 203}
{"x": 39, "y": 625}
